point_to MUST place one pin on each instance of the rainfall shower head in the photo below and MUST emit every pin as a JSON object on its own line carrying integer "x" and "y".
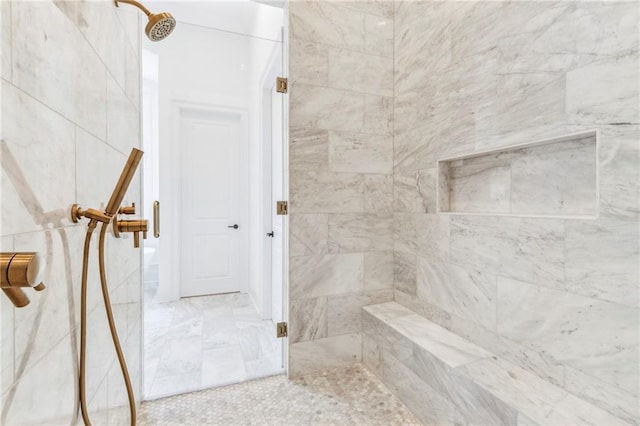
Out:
{"x": 160, "y": 25}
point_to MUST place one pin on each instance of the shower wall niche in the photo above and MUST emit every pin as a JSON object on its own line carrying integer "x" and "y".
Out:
{"x": 553, "y": 177}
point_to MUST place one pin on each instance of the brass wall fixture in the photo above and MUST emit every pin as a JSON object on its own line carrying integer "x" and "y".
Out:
{"x": 156, "y": 219}
{"x": 119, "y": 226}
{"x": 160, "y": 25}
{"x": 19, "y": 270}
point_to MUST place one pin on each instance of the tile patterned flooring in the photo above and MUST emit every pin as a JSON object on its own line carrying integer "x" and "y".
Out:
{"x": 344, "y": 396}
{"x": 202, "y": 342}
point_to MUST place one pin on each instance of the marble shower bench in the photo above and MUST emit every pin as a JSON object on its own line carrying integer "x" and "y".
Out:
{"x": 445, "y": 379}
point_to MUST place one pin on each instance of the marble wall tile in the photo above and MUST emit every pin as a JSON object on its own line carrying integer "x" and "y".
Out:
{"x": 613, "y": 399}
{"x": 6, "y": 334}
{"x": 433, "y": 235}
{"x": 309, "y": 149}
{"x": 123, "y": 122}
{"x": 355, "y": 232}
{"x": 35, "y": 188}
{"x": 604, "y": 92}
{"x": 404, "y": 232}
{"x": 425, "y": 402}
{"x": 597, "y": 337}
{"x": 619, "y": 174}
{"x": 324, "y": 192}
{"x": 70, "y": 81}
{"x": 308, "y": 318}
{"x": 361, "y": 72}
{"x": 371, "y": 356}
{"x": 327, "y": 108}
{"x": 466, "y": 293}
{"x": 526, "y": 249}
{"x": 309, "y": 62}
{"x": 378, "y": 36}
{"x": 602, "y": 260}
{"x": 378, "y": 270}
{"x": 327, "y": 23}
{"x": 308, "y": 234}
{"x": 415, "y": 191}
{"x": 5, "y": 41}
{"x": 320, "y": 354}
{"x": 378, "y": 193}
{"x": 358, "y": 152}
{"x": 345, "y": 311}
{"x": 405, "y": 272}
{"x": 378, "y": 115}
{"x": 323, "y": 275}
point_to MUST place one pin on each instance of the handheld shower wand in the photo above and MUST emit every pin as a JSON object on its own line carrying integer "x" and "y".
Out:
{"x": 105, "y": 218}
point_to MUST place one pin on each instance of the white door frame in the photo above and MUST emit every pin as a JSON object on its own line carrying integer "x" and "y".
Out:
{"x": 169, "y": 253}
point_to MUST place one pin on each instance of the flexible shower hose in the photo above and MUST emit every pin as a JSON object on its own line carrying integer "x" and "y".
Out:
{"x": 112, "y": 324}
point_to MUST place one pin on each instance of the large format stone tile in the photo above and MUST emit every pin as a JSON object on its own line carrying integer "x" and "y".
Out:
{"x": 359, "y": 152}
{"x": 324, "y": 192}
{"x": 320, "y": 354}
{"x": 349, "y": 233}
{"x": 324, "y": 275}
{"x": 360, "y": 72}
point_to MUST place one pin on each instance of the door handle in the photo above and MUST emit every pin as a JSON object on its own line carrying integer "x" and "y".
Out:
{"x": 233, "y": 226}
{"x": 270, "y": 234}
{"x": 156, "y": 219}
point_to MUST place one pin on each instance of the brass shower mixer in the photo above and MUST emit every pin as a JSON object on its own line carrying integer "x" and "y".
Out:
{"x": 19, "y": 270}
{"x": 135, "y": 226}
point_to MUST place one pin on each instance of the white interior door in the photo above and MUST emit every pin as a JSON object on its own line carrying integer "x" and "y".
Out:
{"x": 210, "y": 203}
{"x": 277, "y": 193}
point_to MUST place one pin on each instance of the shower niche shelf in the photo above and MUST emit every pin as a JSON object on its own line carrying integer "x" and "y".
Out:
{"x": 549, "y": 178}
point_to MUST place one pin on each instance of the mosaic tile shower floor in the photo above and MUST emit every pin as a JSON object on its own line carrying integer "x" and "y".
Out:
{"x": 345, "y": 396}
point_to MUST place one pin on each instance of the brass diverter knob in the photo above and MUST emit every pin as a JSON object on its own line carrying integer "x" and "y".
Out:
{"x": 134, "y": 226}
{"x": 19, "y": 270}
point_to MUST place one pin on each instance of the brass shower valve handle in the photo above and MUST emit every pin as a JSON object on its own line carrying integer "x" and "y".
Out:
{"x": 135, "y": 226}
{"x": 128, "y": 209}
{"x": 19, "y": 270}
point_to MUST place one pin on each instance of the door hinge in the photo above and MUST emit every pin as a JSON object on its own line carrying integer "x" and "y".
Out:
{"x": 281, "y": 329}
{"x": 282, "y": 209}
{"x": 281, "y": 85}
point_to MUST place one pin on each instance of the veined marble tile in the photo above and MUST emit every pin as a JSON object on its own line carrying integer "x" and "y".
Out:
{"x": 443, "y": 344}
{"x": 425, "y": 402}
{"x": 599, "y": 338}
{"x": 466, "y": 293}
{"x": 324, "y": 275}
{"x": 324, "y": 192}
{"x": 415, "y": 191}
{"x": 605, "y": 92}
{"x": 360, "y": 72}
{"x": 405, "y": 272}
{"x": 557, "y": 179}
{"x": 308, "y": 234}
{"x": 357, "y": 152}
{"x": 309, "y": 62}
{"x": 480, "y": 184}
{"x": 371, "y": 356}
{"x": 412, "y": 150}
{"x": 345, "y": 311}
{"x": 526, "y": 249}
{"x": 354, "y": 232}
{"x": 327, "y": 23}
{"x": 602, "y": 260}
{"x": 378, "y": 37}
{"x": 123, "y": 119}
{"x": 176, "y": 360}
{"x": 619, "y": 174}
{"x": 372, "y": 8}
{"x": 404, "y": 232}
{"x": 378, "y": 193}
{"x": 6, "y": 332}
{"x": 378, "y": 115}
{"x": 38, "y": 170}
{"x": 388, "y": 311}
{"x": 317, "y": 355}
{"x": 96, "y": 164}
{"x": 386, "y": 338}
{"x": 132, "y": 81}
{"x": 433, "y": 235}
{"x": 71, "y": 81}
{"x": 378, "y": 270}
{"x": 308, "y": 319}
{"x": 5, "y": 40}
{"x": 610, "y": 397}
{"x": 222, "y": 365}
{"x": 309, "y": 149}
{"x": 327, "y": 108}
{"x": 51, "y": 390}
